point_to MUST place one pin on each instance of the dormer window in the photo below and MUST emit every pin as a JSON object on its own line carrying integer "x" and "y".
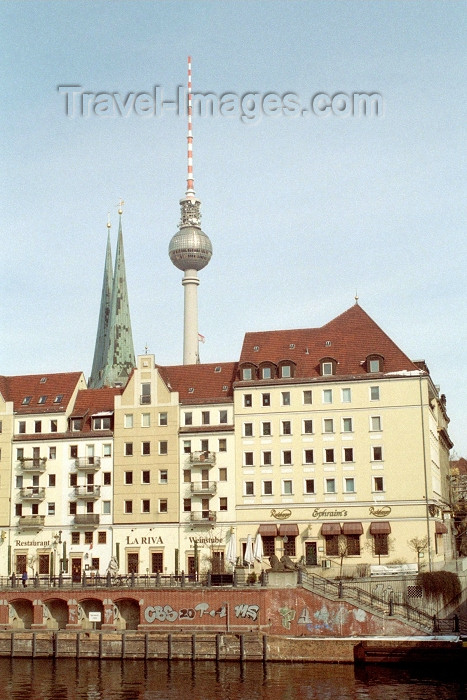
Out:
{"x": 328, "y": 366}
{"x": 266, "y": 373}
{"x": 102, "y": 423}
{"x": 247, "y": 373}
{"x": 267, "y": 370}
{"x": 76, "y": 424}
{"x": 286, "y": 369}
{"x": 374, "y": 363}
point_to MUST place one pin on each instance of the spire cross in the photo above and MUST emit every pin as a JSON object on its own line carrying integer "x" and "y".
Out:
{"x": 120, "y": 206}
{"x": 109, "y": 225}
{"x": 190, "y": 183}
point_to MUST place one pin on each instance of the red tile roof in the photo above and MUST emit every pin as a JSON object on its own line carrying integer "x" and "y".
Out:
{"x": 349, "y": 339}
{"x": 89, "y": 402}
{"x": 38, "y": 386}
{"x": 211, "y": 383}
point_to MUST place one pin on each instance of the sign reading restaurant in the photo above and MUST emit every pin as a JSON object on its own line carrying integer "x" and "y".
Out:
{"x": 322, "y": 513}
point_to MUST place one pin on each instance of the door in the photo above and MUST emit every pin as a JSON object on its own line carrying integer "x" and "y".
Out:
{"x": 218, "y": 562}
{"x": 205, "y": 508}
{"x": 157, "y": 562}
{"x": 21, "y": 564}
{"x": 191, "y": 567}
{"x": 205, "y": 479}
{"x": 311, "y": 558}
{"x": 76, "y": 569}
{"x": 133, "y": 562}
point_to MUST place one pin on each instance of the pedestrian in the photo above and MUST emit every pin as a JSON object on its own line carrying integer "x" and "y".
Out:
{"x": 24, "y": 578}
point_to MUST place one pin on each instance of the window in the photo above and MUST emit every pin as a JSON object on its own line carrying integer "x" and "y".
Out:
{"x": 349, "y": 485}
{"x": 101, "y": 537}
{"x": 377, "y": 454}
{"x": 1, "y": 426}
{"x": 222, "y": 474}
{"x": 88, "y": 537}
{"x": 307, "y": 396}
{"x": 328, "y": 425}
{"x": 287, "y": 487}
{"x": 163, "y": 418}
{"x": 247, "y": 374}
{"x": 128, "y": 420}
{"x": 128, "y": 477}
{"x": 53, "y": 426}
{"x": 374, "y": 363}
{"x": 266, "y": 399}
{"x": 205, "y": 417}
{"x": 268, "y": 545}
{"x": 267, "y": 488}
{"x": 145, "y": 393}
{"x": 222, "y": 444}
{"x": 346, "y": 396}
{"x": 267, "y": 458}
{"x": 22, "y": 426}
{"x": 286, "y": 427}
{"x": 247, "y": 400}
{"x": 163, "y": 476}
{"x": 378, "y": 484}
{"x": 52, "y": 453}
{"x": 145, "y": 505}
{"x": 187, "y": 447}
{"x": 348, "y": 454}
{"x": 204, "y": 445}
{"x": 52, "y": 480}
{"x": 74, "y": 451}
{"x": 248, "y": 429}
{"x": 146, "y": 476}
{"x": 381, "y": 544}
{"x": 248, "y": 459}
{"x": 75, "y": 537}
{"x": 35, "y": 509}
{"x": 223, "y": 503}
{"x": 58, "y": 398}
{"x": 330, "y": 485}
{"x": 289, "y": 547}
{"x": 374, "y": 393}
{"x": 145, "y": 448}
{"x": 163, "y": 505}
{"x": 329, "y": 455}
{"x": 309, "y": 485}
{"x": 146, "y": 420}
{"x": 327, "y": 395}
{"x": 76, "y": 424}
{"x": 286, "y": 371}
{"x": 19, "y": 481}
{"x": 107, "y": 477}
{"x": 128, "y": 507}
{"x": 222, "y": 417}
{"x": 286, "y": 457}
{"x": 188, "y": 418}
{"x": 353, "y": 545}
{"x": 326, "y": 368}
{"x": 187, "y": 505}
{"x": 37, "y": 426}
{"x": 375, "y": 423}
{"x": 266, "y": 373}
{"x": 308, "y": 457}
{"x": 187, "y": 476}
{"x": 308, "y": 426}
{"x": 266, "y": 428}
{"x": 18, "y": 509}
{"x": 285, "y": 397}
{"x": 73, "y": 480}
{"x": 163, "y": 447}
{"x": 102, "y": 423}
{"x": 347, "y": 425}
{"x": 107, "y": 450}
{"x": 332, "y": 545}
{"x": 89, "y": 507}
{"x": 26, "y": 400}
{"x": 128, "y": 448}
{"x": 249, "y": 488}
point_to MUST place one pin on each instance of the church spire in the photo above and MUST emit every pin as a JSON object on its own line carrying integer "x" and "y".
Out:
{"x": 102, "y": 339}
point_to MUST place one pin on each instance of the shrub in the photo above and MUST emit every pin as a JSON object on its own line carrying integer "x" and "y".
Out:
{"x": 440, "y": 584}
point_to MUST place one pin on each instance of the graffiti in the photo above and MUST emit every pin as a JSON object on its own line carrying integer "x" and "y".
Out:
{"x": 287, "y": 616}
{"x": 304, "y": 618}
{"x": 167, "y": 614}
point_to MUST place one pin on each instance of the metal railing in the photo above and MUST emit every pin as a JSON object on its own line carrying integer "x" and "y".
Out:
{"x": 32, "y": 493}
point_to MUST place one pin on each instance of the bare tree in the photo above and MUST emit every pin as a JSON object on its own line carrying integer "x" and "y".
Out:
{"x": 418, "y": 545}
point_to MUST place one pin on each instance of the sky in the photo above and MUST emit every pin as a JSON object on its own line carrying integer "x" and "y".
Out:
{"x": 307, "y": 201}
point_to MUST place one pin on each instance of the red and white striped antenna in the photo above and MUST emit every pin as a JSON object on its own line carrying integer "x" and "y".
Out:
{"x": 190, "y": 183}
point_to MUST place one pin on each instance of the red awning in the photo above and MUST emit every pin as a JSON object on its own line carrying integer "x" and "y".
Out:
{"x": 440, "y": 528}
{"x": 331, "y": 529}
{"x": 268, "y": 530}
{"x": 352, "y": 529}
{"x": 380, "y": 528}
{"x": 289, "y": 529}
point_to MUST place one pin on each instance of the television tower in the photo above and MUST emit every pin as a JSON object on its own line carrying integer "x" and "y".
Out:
{"x": 190, "y": 250}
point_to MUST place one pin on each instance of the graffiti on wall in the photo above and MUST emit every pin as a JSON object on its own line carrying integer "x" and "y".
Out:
{"x": 165, "y": 613}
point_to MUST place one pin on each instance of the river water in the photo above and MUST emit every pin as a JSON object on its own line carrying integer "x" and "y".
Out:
{"x": 70, "y": 679}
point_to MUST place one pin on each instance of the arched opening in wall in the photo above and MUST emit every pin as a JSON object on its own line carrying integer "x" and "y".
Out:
{"x": 90, "y": 614}
{"x": 55, "y": 614}
{"x": 127, "y": 614}
{"x": 21, "y": 614}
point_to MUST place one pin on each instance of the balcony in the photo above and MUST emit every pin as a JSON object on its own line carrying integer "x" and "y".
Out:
{"x": 88, "y": 493}
{"x": 33, "y": 464}
{"x": 32, "y": 493}
{"x": 88, "y": 464}
{"x": 32, "y": 521}
{"x": 203, "y": 457}
{"x": 87, "y": 519}
{"x": 203, "y": 487}
{"x": 203, "y": 517}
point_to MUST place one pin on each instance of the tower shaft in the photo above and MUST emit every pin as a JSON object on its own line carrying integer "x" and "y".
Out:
{"x": 190, "y": 323}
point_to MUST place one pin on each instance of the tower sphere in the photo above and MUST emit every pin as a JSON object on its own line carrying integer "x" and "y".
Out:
{"x": 190, "y": 249}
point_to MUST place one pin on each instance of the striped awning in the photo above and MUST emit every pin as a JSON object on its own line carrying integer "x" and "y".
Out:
{"x": 331, "y": 529}
{"x": 268, "y": 530}
{"x": 289, "y": 529}
{"x": 440, "y": 528}
{"x": 352, "y": 529}
{"x": 380, "y": 528}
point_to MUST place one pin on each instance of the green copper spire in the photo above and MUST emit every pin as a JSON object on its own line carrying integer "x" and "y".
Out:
{"x": 120, "y": 358}
{"x": 102, "y": 339}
